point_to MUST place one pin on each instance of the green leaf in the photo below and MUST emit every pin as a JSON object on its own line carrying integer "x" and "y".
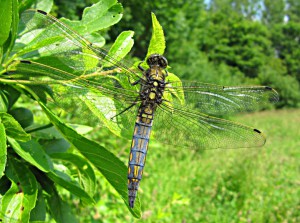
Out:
{"x": 38, "y": 213}
{"x": 42, "y": 91}
{"x": 71, "y": 185}
{"x": 20, "y": 199}
{"x": 13, "y": 129}
{"x": 172, "y": 78}
{"x": 45, "y": 5}
{"x": 47, "y": 134}
{"x": 3, "y": 102}
{"x": 108, "y": 164}
{"x": 5, "y": 20}
{"x": 24, "y": 116}
{"x": 11, "y": 203}
{"x": 3, "y": 151}
{"x": 82, "y": 129}
{"x": 83, "y": 170}
{"x": 55, "y": 145}
{"x": 96, "y": 111}
{"x": 4, "y": 186}
{"x": 14, "y": 15}
{"x": 59, "y": 209}
{"x": 96, "y": 39}
{"x": 26, "y": 4}
{"x": 33, "y": 153}
{"x": 121, "y": 46}
{"x": 10, "y": 93}
{"x": 99, "y": 16}
{"x": 157, "y": 43}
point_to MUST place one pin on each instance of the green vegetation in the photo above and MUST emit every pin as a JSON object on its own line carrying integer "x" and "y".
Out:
{"x": 45, "y": 178}
{"x": 243, "y": 185}
{"x": 225, "y": 42}
{"x": 36, "y": 163}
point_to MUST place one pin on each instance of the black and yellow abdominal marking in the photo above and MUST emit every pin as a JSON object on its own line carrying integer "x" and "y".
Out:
{"x": 151, "y": 92}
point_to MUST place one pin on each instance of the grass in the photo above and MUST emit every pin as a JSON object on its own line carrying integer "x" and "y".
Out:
{"x": 242, "y": 185}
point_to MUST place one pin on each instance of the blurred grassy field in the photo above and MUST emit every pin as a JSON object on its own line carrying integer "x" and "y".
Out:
{"x": 238, "y": 185}
{"x": 242, "y": 185}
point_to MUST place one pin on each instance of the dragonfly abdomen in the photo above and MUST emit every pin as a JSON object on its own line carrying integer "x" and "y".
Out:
{"x": 151, "y": 92}
{"x": 138, "y": 152}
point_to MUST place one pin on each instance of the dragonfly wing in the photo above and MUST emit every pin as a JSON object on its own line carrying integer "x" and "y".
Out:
{"x": 109, "y": 83}
{"x": 96, "y": 109}
{"x": 94, "y": 99}
{"x": 47, "y": 40}
{"x": 221, "y": 100}
{"x": 81, "y": 75}
{"x": 188, "y": 128}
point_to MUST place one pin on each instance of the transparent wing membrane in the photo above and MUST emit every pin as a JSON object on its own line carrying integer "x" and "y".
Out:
{"x": 188, "y": 118}
{"x": 45, "y": 37}
{"x": 94, "y": 99}
{"x": 223, "y": 100}
{"x": 199, "y": 131}
{"x": 88, "y": 83}
{"x": 85, "y": 80}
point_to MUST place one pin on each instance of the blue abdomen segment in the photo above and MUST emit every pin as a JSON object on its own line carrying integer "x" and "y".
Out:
{"x": 138, "y": 152}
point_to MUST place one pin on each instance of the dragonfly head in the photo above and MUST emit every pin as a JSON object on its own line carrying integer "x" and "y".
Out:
{"x": 157, "y": 60}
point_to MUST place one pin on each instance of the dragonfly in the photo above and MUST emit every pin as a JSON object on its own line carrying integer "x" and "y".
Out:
{"x": 133, "y": 102}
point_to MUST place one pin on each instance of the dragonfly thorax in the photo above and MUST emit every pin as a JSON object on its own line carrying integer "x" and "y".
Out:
{"x": 152, "y": 92}
{"x": 152, "y": 89}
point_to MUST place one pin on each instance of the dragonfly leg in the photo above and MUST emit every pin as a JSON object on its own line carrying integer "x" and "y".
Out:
{"x": 126, "y": 109}
{"x": 163, "y": 100}
{"x": 140, "y": 67}
{"x": 134, "y": 83}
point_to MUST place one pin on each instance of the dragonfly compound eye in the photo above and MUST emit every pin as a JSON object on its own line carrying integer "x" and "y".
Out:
{"x": 156, "y": 59}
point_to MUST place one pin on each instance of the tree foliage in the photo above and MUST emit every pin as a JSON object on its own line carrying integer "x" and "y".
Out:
{"x": 37, "y": 160}
{"x": 225, "y": 41}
